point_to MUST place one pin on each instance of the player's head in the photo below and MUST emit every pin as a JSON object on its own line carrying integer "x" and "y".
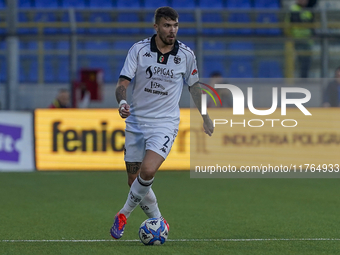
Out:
{"x": 302, "y": 3}
{"x": 63, "y": 97}
{"x": 166, "y": 24}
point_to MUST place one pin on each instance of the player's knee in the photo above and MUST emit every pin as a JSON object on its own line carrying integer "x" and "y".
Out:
{"x": 147, "y": 174}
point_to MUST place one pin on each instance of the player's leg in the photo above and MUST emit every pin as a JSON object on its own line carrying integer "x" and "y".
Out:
{"x": 142, "y": 184}
{"x": 134, "y": 152}
{"x": 149, "y": 204}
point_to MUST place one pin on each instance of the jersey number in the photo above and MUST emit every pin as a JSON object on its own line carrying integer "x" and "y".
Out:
{"x": 168, "y": 139}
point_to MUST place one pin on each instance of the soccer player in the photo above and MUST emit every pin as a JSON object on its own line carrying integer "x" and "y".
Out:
{"x": 158, "y": 65}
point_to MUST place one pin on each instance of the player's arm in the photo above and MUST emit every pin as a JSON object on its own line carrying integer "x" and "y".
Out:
{"x": 196, "y": 94}
{"x": 124, "y": 108}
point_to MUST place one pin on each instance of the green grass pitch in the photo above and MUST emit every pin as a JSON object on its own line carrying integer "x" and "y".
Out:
{"x": 81, "y": 206}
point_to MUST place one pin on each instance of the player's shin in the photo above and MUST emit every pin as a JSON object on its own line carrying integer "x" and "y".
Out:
{"x": 150, "y": 206}
{"x": 138, "y": 191}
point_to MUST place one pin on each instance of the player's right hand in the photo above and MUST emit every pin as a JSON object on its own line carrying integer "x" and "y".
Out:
{"x": 124, "y": 111}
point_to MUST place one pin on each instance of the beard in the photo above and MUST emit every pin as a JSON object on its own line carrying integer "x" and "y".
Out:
{"x": 165, "y": 40}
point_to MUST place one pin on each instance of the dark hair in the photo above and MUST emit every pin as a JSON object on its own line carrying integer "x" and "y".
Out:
{"x": 215, "y": 74}
{"x": 165, "y": 12}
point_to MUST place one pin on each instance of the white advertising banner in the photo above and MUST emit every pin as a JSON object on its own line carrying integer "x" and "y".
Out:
{"x": 16, "y": 141}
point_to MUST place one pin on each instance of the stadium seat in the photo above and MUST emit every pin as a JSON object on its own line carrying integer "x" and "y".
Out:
{"x": 118, "y": 64}
{"x": 3, "y": 68}
{"x": 2, "y": 44}
{"x": 24, "y": 4}
{"x": 79, "y": 18}
{"x": 63, "y": 45}
{"x": 247, "y": 48}
{"x": 57, "y": 45}
{"x": 190, "y": 44}
{"x": 73, "y": 3}
{"x": 24, "y": 18}
{"x": 270, "y": 69}
{"x": 155, "y": 3}
{"x": 239, "y": 18}
{"x": 97, "y": 45}
{"x": 100, "y": 17}
{"x": 183, "y": 3}
{"x": 213, "y": 45}
{"x": 213, "y": 18}
{"x": 99, "y": 62}
{"x": 49, "y": 45}
{"x": 56, "y": 69}
{"x": 267, "y": 18}
{"x": 271, "y": 4}
{"x": 238, "y": 4}
{"x": 28, "y": 45}
{"x": 101, "y": 3}
{"x": 186, "y": 17}
{"x": 208, "y": 4}
{"x": 2, "y": 4}
{"x": 149, "y": 19}
{"x": 46, "y": 4}
{"x": 28, "y": 69}
{"x": 46, "y": 17}
{"x": 123, "y": 45}
{"x": 213, "y": 64}
{"x": 241, "y": 69}
{"x": 128, "y": 4}
{"x": 127, "y": 17}
{"x": 106, "y": 64}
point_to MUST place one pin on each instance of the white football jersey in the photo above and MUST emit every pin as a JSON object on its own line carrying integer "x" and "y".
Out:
{"x": 158, "y": 80}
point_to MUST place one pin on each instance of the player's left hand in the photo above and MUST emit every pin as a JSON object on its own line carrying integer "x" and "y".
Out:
{"x": 208, "y": 126}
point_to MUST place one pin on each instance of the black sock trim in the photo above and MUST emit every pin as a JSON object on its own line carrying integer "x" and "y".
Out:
{"x": 142, "y": 183}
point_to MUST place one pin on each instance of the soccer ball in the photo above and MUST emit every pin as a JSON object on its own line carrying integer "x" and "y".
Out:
{"x": 153, "y": 231}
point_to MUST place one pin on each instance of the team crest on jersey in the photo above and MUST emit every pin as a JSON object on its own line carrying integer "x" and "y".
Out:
{"x": 194, "y": 72}
{"x": 177, "y": 60}
{"x": 161, "y": 59}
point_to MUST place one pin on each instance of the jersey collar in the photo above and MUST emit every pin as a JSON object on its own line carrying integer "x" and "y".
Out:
{"x": 153, "y": 47}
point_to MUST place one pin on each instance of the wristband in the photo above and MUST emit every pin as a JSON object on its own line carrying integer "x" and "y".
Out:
{"x": 122, "y": 102}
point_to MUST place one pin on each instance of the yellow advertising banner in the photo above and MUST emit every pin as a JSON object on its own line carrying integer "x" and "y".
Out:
{"x": 93, "y": 139}
{"x": 294, "y": 139}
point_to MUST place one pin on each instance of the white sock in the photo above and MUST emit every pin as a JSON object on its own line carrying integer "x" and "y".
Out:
{"x": 138, "y": 190}
{"x": 150, "y": 206}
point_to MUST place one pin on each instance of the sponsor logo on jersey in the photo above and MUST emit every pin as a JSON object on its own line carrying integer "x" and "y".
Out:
{"x": 177, "y": 60}
{"x": 155, "y": 85}
{"x": 194, "y": 72}
{"x": 159, "y": 71}
{"x": 148, "y": 72}
{"x": 147, "y": 54}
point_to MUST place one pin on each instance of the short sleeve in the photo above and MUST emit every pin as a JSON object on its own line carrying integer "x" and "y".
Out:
{"x": 130, "y": 64}
{"x": 191, "y": 75}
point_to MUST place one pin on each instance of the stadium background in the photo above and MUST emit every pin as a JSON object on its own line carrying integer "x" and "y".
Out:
{"x": 55, "y": 39}
{"x": 44, "y": 44}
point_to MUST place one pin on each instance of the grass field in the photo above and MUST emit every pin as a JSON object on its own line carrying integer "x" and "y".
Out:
{"x": 63, "y": 206}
